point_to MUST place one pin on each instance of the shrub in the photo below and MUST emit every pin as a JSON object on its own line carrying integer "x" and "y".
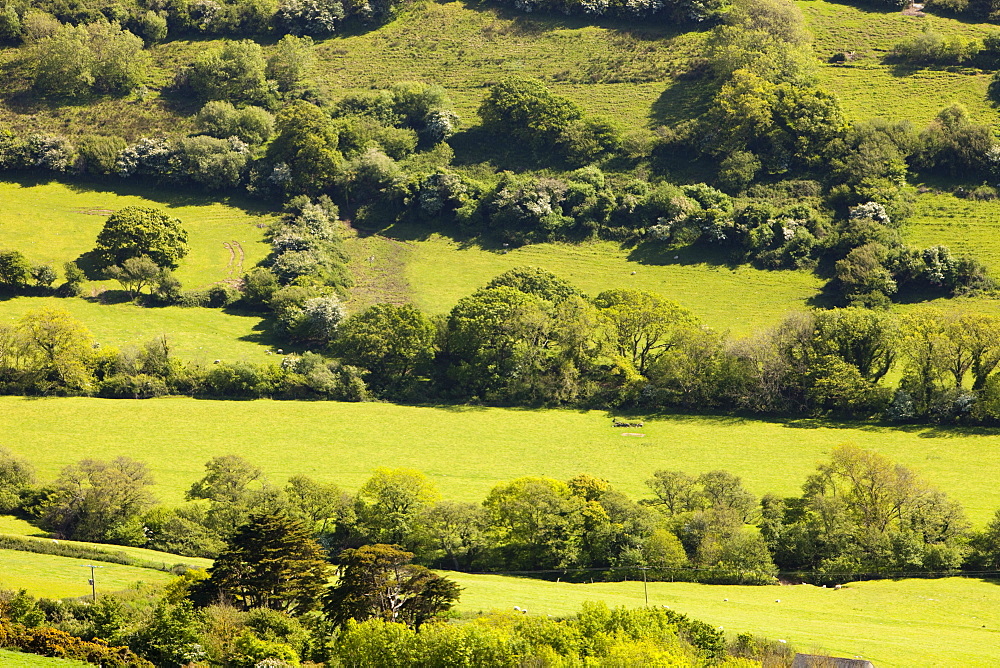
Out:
{"x": 525, "y": 109}
{"x": 99, "y": 153}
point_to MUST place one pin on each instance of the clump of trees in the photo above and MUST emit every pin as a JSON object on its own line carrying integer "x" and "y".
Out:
{"x": 74, "y": 60}
{"x": 529, "y": 338}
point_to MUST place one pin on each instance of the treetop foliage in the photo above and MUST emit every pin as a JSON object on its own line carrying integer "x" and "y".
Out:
{"x": 141, "y": 231}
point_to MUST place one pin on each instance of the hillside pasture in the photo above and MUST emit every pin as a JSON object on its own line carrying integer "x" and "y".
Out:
{"x": 904, "y": 623}
{"x": 55, "y": 222}
{"x": 465, "y": 450}
{"x": 200, "y": 335}
{"x": 868, "y": 87}
{"x": 740, "y": 299}
{"x": 61, "y": 577}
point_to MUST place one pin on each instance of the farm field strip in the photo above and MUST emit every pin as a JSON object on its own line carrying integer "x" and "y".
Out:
{"x": 904, "y": 623}
{"x": 466, "y": 451}
{"x": 60, "y": 577}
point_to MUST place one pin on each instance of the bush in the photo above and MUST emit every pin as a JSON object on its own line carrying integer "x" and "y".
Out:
{"x": 222, "y": 120}
{"x": 99, "y": 154}
{"x": 234, "y": 72}
{"x": 525, "y": 109}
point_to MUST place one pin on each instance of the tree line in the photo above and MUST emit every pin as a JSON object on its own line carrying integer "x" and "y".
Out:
{"x": 859, "y": 515}
{"x": 528, "y": 338}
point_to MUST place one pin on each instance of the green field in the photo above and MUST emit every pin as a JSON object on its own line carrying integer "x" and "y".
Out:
{"x": 906, "y": 623}
{"x": 869, "y": 88}
{"x": 717, "y": 293}
{"x": 56, "y": 222}
{"x": 61, "y": 577}
{"x": 21, "y": 660}
{"x": 194, "y": 334}
{"x": 466, "y": 451}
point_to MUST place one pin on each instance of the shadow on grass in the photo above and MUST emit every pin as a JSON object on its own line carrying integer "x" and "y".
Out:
{"x": 170, "y": 196}
{"x": 683, "y": 99}
{"x": 656, "y": 253}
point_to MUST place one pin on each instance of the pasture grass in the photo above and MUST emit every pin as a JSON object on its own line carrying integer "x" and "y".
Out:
{"x": 612, "y": 68}
{"x": 904, "y": 623}
{"x": 868, "y": 87}
{"x": 465, "y": 451}
{"x": 12, "y": 659}
{"x": 55, "y": 222}
{"x": 741, "y": 299}
{"x": 200, "y": 335}
{"x": 967, "y": 227}
{"x": 63, "y": 577}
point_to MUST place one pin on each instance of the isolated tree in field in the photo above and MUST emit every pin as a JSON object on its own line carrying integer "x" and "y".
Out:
{"x": 98, "y": 501}
{"x": 271, "y": 562}
{"x": 379, "y": 582}
{"x": 16, "y": 475}
{"x": 135, "y": 273}
{"x": 137, "y": 230}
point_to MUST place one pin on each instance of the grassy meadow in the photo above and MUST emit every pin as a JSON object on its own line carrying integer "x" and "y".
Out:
{"x": 868, "y": 87}
{"x": 21, "y": 660}
{"x": 53, "y": 222}
{"x": 61, "y": 577}
{"x": 465, "y": 451}
{"x": 717, "y": 293}
{"x": 903, "y": 623}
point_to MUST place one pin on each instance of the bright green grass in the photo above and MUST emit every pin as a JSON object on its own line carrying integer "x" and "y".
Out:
{"x": 466, "y": 451}
{"x": 17, "y": 527}
{"x": 907, "y": 623}
{"x": 967, "y": 227}
{"x": 154, "y": 557}
{"x": 741, "y": 299}
{"x": 871, "y": 32}
{"x": 868, "y": 88}
{"x": 464, "y": 48}
{"x": 21, "y": 660}
{"x": 56, "y": 222}
{"x": 60, "y": 577}
{"x": 194, "y": 334}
